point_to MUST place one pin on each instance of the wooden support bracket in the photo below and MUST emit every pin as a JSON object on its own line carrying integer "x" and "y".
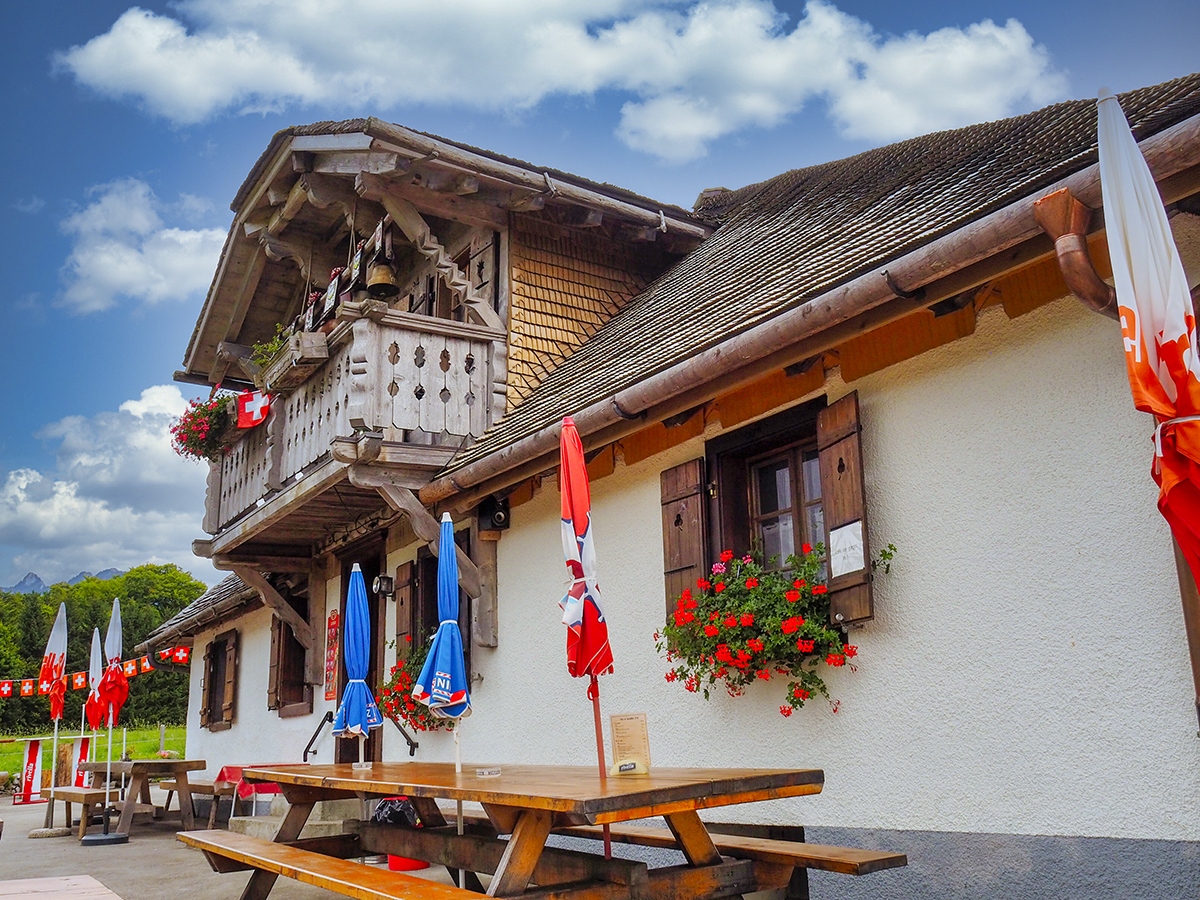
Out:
{"x": 278, "y": 605}
{"x": 424, "y": 525}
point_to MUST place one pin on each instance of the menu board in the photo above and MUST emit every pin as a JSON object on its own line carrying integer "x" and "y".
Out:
{"x": 630, "y": 743}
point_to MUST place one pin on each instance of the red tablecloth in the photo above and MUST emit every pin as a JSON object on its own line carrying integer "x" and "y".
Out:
{"x": 248, "y": 788}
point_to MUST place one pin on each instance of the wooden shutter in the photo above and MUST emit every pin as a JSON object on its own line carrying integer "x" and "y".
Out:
{"x": 683, "y": 527}
{"x": 273, "y": 675}
{"x": 845, "y": 509}
{"x": 404, "y": 608}
{"x": 229, "y": 703}
{"x": 206, "y": 686}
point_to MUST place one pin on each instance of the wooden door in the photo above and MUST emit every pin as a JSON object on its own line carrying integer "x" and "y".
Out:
{"x": 371, "y": 558}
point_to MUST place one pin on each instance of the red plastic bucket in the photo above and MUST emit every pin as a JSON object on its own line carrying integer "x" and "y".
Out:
{"x": 404, "y": 864}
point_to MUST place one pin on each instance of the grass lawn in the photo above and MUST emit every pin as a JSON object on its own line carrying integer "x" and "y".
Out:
{"x": 140, "y": 743}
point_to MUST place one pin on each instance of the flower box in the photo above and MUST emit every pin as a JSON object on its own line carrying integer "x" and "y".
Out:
{"x": 304, "y": 354}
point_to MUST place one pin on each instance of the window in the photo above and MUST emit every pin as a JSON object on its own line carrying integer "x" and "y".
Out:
{"x": 771, "y": 487}
{"x": 424, "y": 608}
{"x": 288, "y": 690}
{"x": 218, "y": 690}
{"x": 765, "y": 486}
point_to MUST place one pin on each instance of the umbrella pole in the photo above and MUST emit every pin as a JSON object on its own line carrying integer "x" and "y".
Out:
{"x": 462, "y": 873}
{"x": 594, "y": 695}
{"x": 53, "y": 777}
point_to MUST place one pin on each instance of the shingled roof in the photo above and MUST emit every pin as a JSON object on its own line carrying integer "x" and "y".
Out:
{"x": 226, "y": 599}
{"x": 795, "y": 236}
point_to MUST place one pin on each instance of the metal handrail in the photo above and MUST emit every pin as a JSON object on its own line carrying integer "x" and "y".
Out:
{"x": 328, "y": 717}
{"x": 412, "y": 745}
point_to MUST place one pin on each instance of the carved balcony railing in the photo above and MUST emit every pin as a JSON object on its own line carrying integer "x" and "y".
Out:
{"x": 402, "y": 377}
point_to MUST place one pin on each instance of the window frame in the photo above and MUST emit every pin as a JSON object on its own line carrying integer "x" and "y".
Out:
{"x": 730, "y": 461}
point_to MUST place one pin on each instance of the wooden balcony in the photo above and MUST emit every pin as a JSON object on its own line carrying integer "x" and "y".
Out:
{"x": 401, "y": 393}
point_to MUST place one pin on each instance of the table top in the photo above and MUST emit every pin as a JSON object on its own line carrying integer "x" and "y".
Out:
{"x": 575, "y": 790}
{"x": 146, "y": 766}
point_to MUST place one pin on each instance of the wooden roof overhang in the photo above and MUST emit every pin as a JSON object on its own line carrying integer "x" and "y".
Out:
{"x": 294, "y": 213}
{"x": 947, "y": 269}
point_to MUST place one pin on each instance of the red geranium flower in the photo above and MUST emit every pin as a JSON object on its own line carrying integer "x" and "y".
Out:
{"x": 792, "y": 596}
{"x": 850, "y": 650}
{"x": 804, "y": 645}
{"x": 806, "y": 549}
{"x": 800, "y": 693}
{"x": 747, "y": 619}
{"x": 789, "y": 626}
{"x": 835, "y": 659}
{"x": 820, "y": 589}
{"x": 703, "y": 583}
{"x": 799, "y": 583}
{"x": 763, "y": 674}
{"x": 755, "y": 644}
{"x": 726, "y": 555}
{"x": 711, "y": 630}
{"x": 751, "y": 582}
{"x": 731, "y": 622}
{"x": 785, "y": 711}
{"x": 670, "y": 676}
{"x": 718, "y": 587}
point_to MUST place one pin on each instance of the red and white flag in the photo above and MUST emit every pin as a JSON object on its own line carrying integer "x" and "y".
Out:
{"x": 6, "y": 689}
{"x": 28, "y": 687}
{"x": 79, "y": 681}
{"x": 253, "y": 407}
{"x": 54, "y": 662}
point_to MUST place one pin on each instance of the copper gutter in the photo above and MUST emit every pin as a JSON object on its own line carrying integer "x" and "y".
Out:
{"x": 1066, "y": 220}
{"x": 1169, "y": 153}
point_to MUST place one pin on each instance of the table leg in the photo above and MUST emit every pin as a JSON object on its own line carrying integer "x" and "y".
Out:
{"x": 260, "y": 883}
{"x": 693, "y": 838}
{"x": 428, "y": 811}
{"x": 522, "y": 853}
{"x": 186, "y": 810}
{"x": 136, "y": 784}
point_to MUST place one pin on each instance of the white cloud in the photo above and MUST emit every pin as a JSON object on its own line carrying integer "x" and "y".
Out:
{"x": 31, "y": 207}
{"x": 124, "y": 250}
{"x": 694, "y": 72}
{"x": 117, "y": 496}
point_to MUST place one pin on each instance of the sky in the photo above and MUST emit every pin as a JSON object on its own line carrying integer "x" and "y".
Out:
{"x": 131, "y": 128}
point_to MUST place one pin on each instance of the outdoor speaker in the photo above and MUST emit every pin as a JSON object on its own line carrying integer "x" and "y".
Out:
{"x": 493, "y": 514}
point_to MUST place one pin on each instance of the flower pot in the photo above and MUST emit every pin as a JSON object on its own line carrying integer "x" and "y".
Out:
{"x": 304, "y": 354}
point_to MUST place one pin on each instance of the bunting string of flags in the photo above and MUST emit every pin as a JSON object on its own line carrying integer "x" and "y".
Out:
{"x": 78, "y": 681}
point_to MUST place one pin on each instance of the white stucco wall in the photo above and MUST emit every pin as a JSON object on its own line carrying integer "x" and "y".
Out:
{"x": 258, "y": 735}
{"x": 1027, "y": 670}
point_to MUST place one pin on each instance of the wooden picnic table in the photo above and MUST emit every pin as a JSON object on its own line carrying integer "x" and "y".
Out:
{"x": 525, "y": 802}
{"x": 137, "y": 792}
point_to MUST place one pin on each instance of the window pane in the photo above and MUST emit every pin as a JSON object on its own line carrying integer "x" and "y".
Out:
{"x": 774, "y": 484}
{"x": 778, "y": 539}
{"x": 812, "y": 477}
{"x": 814, "y": 524}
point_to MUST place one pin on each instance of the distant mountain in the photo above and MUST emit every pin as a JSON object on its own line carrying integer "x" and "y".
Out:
{"x": 30, "y": 584}
{"x": 33, "y": 584}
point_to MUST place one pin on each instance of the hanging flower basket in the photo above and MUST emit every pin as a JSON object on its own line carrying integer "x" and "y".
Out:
{"x": 745, "y": 624}
{"x": 396, "y": 699}
{"x": 207, "y": 428}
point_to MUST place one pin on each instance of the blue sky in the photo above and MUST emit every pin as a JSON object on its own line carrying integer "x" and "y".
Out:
{"x": 130, "y": 128}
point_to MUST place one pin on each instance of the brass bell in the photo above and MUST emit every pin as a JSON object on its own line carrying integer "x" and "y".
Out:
{"x": 381, "y": 281}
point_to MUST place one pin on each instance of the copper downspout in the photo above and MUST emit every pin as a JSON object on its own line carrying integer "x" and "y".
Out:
{"x": 1066, "y": 220}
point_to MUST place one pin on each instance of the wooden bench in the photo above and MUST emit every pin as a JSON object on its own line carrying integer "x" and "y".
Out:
{"x": 322, "y": 862}
{"x": 86, "y": 797}
{"x": 847, "y": 860}
{"x": 214, "y": 789}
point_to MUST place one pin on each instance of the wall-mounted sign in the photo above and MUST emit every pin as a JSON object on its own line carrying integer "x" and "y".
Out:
{"x": 331, "y": 656}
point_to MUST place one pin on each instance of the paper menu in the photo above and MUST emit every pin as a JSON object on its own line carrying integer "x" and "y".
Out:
{"x": 630, "y": 743}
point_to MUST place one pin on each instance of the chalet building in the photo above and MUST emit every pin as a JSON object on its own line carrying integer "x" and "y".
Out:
{"x": 885, "y": 340}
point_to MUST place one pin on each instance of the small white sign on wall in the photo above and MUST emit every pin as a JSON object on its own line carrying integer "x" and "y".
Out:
{"x": 846, "y": 551}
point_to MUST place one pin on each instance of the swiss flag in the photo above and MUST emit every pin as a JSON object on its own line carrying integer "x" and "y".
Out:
{"x": 131, "y": 667}
{"x": 28, "y": 687}
{"x": 79, "y": 681}
{"x": 144, "y": 664}
{"x": 180, "y": 654}
{"x": 44, "y": 687}
{"x": 5, "y": 689}
{"x": 253, "y": 407}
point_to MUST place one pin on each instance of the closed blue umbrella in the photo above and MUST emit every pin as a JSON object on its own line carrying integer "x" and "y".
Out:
{"x": 357, "y": 713}
{"x": 442, "y": 685}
